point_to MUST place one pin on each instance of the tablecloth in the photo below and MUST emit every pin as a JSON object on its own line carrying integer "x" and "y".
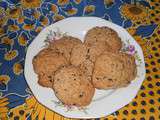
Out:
{"x": 22, "y": 20}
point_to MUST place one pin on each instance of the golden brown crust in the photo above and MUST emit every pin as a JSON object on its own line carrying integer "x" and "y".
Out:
{"x": 72, "y": 88}
{"x": 104, "y": 34}
{"x": 113, "y": 70}
{"x": 65, "y": 45}
{"x": 45, "y": 63}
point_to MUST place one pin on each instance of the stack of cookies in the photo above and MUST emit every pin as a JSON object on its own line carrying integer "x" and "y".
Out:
{"x": 74, "y": 69}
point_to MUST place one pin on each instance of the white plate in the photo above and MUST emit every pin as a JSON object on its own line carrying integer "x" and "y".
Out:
{"x": 104, "y": 102}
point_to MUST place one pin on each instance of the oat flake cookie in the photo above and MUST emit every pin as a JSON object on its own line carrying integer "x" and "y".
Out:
{"x": 104, "y": 34}
{"x": 64, "y": 45}
{"x": 84, "y": 56}
{"x": 72, "y": 88}
{"x": 112, "y": 71}
{"x": 45, "y": 63}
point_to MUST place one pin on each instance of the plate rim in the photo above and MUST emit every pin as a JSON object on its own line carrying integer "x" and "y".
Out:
{"x": 97, "y": 25}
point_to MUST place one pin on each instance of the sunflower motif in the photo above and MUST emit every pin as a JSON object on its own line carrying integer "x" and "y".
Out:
{"x": 135, "y": 13}
{"x": 132, "y": 30}
{"x": 22, "y": 40}
{"x": 145, "y": 45}
{"x": 58, "y": 17}
{"x": 3, "y": 108}
{"x": 17, "y": 68}
{"x": 36, "y": 14}
{"x": 108, "y": 3}
{"x": 63, "y": 2}
{"x": 3, "y": 18}
{"x": 4, "y": 79}
{"x": 20, "y": 112}
{"x": 21, "y": 19}
{"x": 72, "y": 11}
{"x": 11, "y": 55}
{"x": 14, "y": 13}
{"x": 2, "y": 31}
{"x": 77, "y": 1}
{"x": 13, "y": 27}
{"x": 40, "y": 111}
{"x": 7, "y": 41}
{"x": 44, "y": 20}
{"x": 89, "y": 9}
{"x": 28, "y": 26}
{"x": 54, "y": 8}
{"x": 39, "y": 29}
{"x": 31, "y": 3}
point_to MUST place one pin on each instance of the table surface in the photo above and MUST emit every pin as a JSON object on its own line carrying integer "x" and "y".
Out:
{"x": 22, "y": 20}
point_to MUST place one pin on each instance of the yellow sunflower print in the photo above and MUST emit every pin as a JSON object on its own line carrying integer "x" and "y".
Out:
{"x": 77, "y": 1}
{"x": 28, "y": 26}
{"x": 20, "y": 112}
{"x": 4, "y": 78}
{"x": 31, "y": 3}
{"x": 89, "y": 9}
{"x": 41, "y": 111}
{"x": 21, "y": 19}
{"x": 72, "y": 11}
{"x": 39, "y": 29}
{"x": 17, "y": 68}
{"x": 7, "y": 41}
{"x": 135, "y": 13}
{"x": 11, "y": 55}
{"x": 108, "y": 2}
{"x": 14, "y": 13}
{"x": 44, "y": 21}
{"x": 3, "y": 17}
{"x": 58, "y": 17}
{"x": 63, "y": 2}
{"x": 36, "y": 14}
{"x": 54, "y": 8}
{"x": 13, "y": 27}
{"x": 2, "y": 31}
{"x": 22, "y": 40}
{"x": 3, "y": 108}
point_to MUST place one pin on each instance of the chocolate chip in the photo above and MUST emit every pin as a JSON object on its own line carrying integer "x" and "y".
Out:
{"x": 97, "y": 78}
{"x": 80, "y": 95}
{"x": 110, "y": 79}
{"x": 80, "y": 74}
{"x": 65, "y": 89}
{"x": 88, "y": 50}
{"x": 73, "y": 75}
{"x": 50, "y": 77}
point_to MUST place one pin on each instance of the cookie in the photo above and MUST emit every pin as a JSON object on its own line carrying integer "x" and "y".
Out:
{"x": 87, "y": 69}
{"x": 85, "y": 55}
{"x": 83, "y": 52}
{"x": 130, "y": 66}
{"x": 113, "y": 70}
{"x": 64, "y": 45}
{"x": 46, "y": 62}
{"x": 46, "y": 80}
{"x": 78, "y": 54}
{"x": 72, "y": 88}
{"x": 107, "y": 71}
{"x": 106, "y": 35}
